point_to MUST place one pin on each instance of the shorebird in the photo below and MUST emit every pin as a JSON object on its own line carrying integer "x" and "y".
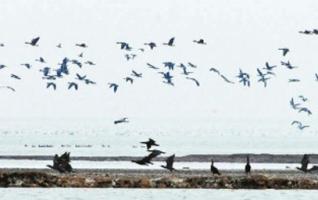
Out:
{"x": 200, "y": 41}
{"x": 284, "y": 51}
{"x": 122, "y": 120}
{"x": 170, "y": 42}
{"x": 169, "y": 163}
{"x": 114, "y": 86}
{"x": 150, "y": 143}
{"x": 248, "y": 165}
{"x": 214, "y": 170}
{"x": 34, "y": 41}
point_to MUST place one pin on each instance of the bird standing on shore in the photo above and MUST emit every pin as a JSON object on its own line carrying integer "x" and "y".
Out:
{"x": 248, "y": 166}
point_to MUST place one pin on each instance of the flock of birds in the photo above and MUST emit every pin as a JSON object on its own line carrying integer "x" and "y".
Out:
{"x": 51, "y": 74}
{"x": 62, "y": 163}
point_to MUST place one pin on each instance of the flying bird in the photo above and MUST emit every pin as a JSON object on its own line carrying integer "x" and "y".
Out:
{"x": 41, "y": 60}
{"x": 136, "y": 74}
{"x": 72, "y": 85}
{"x": 300, "y": 126}
{"x": 34, "y": 41}
{"x": 15, "y": 77}
{"x": 152, "y": 45}
{"x": 83, "y": 45}
{"x": 170, "y": 42}
{"x": 51, "y": 84}
{"x": 200, "y": 41}
{"x": 169, "y": 163}
{"x": 293, "y": 104}
{"x": 195, "y": 80}
{"x": 129, "y": 79}
{"x": 8, "y": 87}
{"x": 284, "y": 51}
{"x": 27, "y": 65}
{"x": 152, "y": 66}
{"x": 114, "y": 86}
{"x": 122, "y": 120}
{"x": 150, "y": 143}
{"x": 306, "y": 110}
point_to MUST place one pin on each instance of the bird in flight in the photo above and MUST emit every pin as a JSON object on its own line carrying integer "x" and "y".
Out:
{"x": 288, "y": 65}
{"x": 114, "y": 86}
{"x": 152, "y": 45}
{"x": 136, "y": 74}
{"x": 195, "y": 80}
{"x": 152, "y": 66}
{"x": 169, "y": 163}
{"x": 83, "y": 45}
{"x": 27, "y": 65}
{"x": 300, "y": 126}
{"x": 41, "y": 60}
{"x": 150, "y": 143}
{"x": 122, "y": 120}
{"x": 51, "y": 84}
{"x": 129, "y": 79}
{"x": 8, "y": 87}
{"x": 124, "y": 46}
{"x": 284, "y": 51}
{"x": 170, "y": 42}
{"x": 72, "y": 85}
{"x": 293, "y": 104}
{"x": 306, "y": 110}
{"x": 200, "y": 41}
{"x": 244, "y": 78}
{"x": 34, "y": 41}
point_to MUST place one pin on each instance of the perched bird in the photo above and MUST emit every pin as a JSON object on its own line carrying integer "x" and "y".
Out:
{"x": 72, "y": 85}
{"x": 34, "y": 41}
{"x": 195, "y": 80}
{"x": 248, "y": 165}
{"x": 284, "y": 50}
{"x": 151, "y": 45}
{"x": 150, "y": 143}
{"x": 299, "y": 125}
{"x": 114, "y": 86}
{"x": 51, "y": 84}
{"x": 122, "y": 120}
{"x": 170, "y": 42}
{"x": 200, "y": 41}
{"x": 83, "y": 45}
{"x": 214, "y": 170}
{"x": 169, "y": 163}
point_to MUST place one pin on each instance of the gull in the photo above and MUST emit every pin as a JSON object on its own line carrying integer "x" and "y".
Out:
{"x": 212, "y": 69}
{"x": 293, "y": 104}
{"x": 34, "y": 41}
{"x": 152, "y": 66}
{"x": 306, "y": 110}
{"x": 15, "y": 76}
{"x": 169, "y": 163}
{"x": 129, "y": 79}
{"x": 8, "y": 87}
{"x": 170, "y": 42}
{"x": 83, "y": 45}
{"x": 27, "y": 65}
{"x": 72, "y": 85}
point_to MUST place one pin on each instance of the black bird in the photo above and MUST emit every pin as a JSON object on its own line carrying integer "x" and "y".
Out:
{"x": 200, "y": 41}
{"x": 15, "y": 76}
{"x": 80, "y": 55}
{"x": 284, "y": 50}
{"x": 293, "y": 80}
{"x": 8, "y": 87}
{"x": 62, "y": 163}
{"x": 299, "y": 125}
{"x": 212, "y": 69}
{"x": 226, "y": 79}
{"x": 244, "y": 78}
{"x": 150, "y": 143}
{"x": 59, "y": 45}
{"x": 87, "y": 81}
{"x": 34, "y": 41}
{"x": 269, "y": 67}
{"x": 167, "y": 77}
{"x": 304, "y": 163}
{"x": 2, "y": 66}
{"x": 79, "y": 77}
{"x": 248, "y": 165}
{"x": 169, "y": 163}
{"x": 170, "y": 65}
{"x": 76, "y": 62}
{"x": 192, "y": 65}
{"x": 123, "y": 120}
{"x": 288, "y": 65}
{"x": 143, "y": 161}
{"x": 170, "y": 42}
{"x": 27, "y": 65}
{"x": 83, "y": 45}
{"x": 214, "y": 170}
{"x": 184, "y": 70}
{"x": 152, "y": 66}
{"x": 304, "y": 99}
{"x": 195, "y": 80}
{"x": 138, "y": 75}
{"x": 155, "y": 153}
{"x": 124, "y": 46}
{"x": 114, "y": 86}
{"x": 51, "y": 84}
{"x": 90, "y": 63}
{"x": 306, "y": 32}
{"x": 129, "y": 79}
{"x": 72, "y": 85}
{"x": 151, "y": 45}
{"x": 316, "y": 76}
{"x": 262, "y": 76}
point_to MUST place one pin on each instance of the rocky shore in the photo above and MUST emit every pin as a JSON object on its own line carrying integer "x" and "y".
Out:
{"x": 157, "y": 179}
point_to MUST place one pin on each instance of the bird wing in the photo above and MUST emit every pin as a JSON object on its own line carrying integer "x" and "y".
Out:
{"x": 170, "y": 161}
{"x": 35, "y": 40}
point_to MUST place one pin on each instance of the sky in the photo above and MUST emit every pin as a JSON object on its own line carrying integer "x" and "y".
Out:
{"x": 239, "y": 35}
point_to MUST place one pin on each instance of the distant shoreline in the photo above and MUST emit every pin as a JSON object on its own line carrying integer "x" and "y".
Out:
{"x": 230, "y": 158}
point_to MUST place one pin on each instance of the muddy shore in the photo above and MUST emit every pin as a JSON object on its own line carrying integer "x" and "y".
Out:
{"x": 158, "y": 179}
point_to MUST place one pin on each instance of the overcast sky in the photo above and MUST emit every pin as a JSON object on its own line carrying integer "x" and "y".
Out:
{"x": 239, "y": 34}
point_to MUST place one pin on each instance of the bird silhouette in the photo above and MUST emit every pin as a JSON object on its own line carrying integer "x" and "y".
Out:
{"x": 306, "y": 110}
{"x": 129, "y": 79}
{"x": 59, "y": 45}
{"x": 83, "y": 45}
{"x": 136, "y": 74}
{"x": 288, "y": 65}
{"x": 41, "y": 60}
{"x": 122, "y": 120}
{"x": 192, "y": 65}
{"x": 114, "y": 86}
{"x": 269, "y": 67}
{"x": 194, "y": 80}
{"x": 214, "y": 170}
{"x": 248, "y": 165}
{"x": 200, "y": 41}
{"x": 169, "y": 163}
{"x": 303, "y": 98}
{"x": 15, "y": 76}
{"x": 51, "y": 84}
{"x": 72, "y": 85}
{"x": 90, "y": 63}
{"x": 8, "y": 87}
{"x": 170, "y": 42}
{"x": 212, "y": 69}
{"x": 61, "y": 163}
{"x": 27, "y": 65}
{"x": 170, "y": 65}
{"x": 150, "y": 143}
{"x": 284, "y": 51}
{"x": 34, "y": 41}
{"x": 152, "y": 45}
{"x": 124, "y": 46}
{"x": 152, "y": 66}
{"x": 300, "y": 126}
{"x": 79, "y": 77}
{"x": 293, "y": 104}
